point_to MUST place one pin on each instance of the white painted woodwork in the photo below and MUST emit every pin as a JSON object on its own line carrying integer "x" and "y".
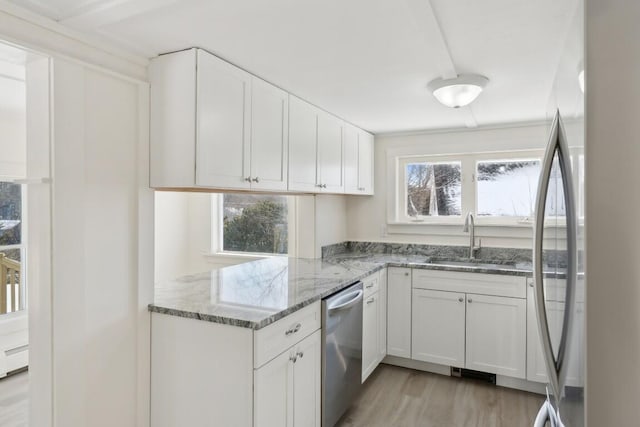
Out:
{"x": 278, "y": 336}
{"x": 438, "y": 327}
{"x": 287, "y": 390}
{"x": 496, "y": 335}
{"x": 201, "y": 373}
{"x": 223, "y": 123}
{"x": 370, "y": 334}
{"x": 536, "y": 368}
{"x": 173, "y": 119}
{"x": 307, "y": 377}
{"x": 330, "y": 157}
{"x": 487, "y": 284}
{"x": 97, "y": 307}
{"x": 14, "y": 340}
{"x": 273, "y": 385}
{"x": 365, "y": 162}
{"x": 269, "y": 136}
{"x": 382, "y": 316}
{"x": 303, "y": 135}
{"x": 399, "y": 311}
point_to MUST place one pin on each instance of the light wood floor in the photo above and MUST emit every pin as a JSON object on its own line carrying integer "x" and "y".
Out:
{"x": 14, "y": 400}
{"x": 400, "y": 397}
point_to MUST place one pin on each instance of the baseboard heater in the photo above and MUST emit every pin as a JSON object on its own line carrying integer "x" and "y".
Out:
{"x": 474, "y": 375}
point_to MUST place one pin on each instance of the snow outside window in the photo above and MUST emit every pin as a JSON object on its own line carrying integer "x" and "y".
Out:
{"x": 433, "y": 189}
{"x": 507, "y": 188}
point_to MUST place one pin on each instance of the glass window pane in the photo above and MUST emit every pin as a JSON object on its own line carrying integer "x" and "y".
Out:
{"x": 10, "y": 213}
{"x": 255, "y": 223}
{"x": 507, "y": 187}
{"x": 433, "y": 189}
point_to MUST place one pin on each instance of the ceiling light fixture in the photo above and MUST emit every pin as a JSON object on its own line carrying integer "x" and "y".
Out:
{"x": 459, "y": 91}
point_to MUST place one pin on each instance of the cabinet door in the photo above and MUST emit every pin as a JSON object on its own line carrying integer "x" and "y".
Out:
{"x": 222, "y": 124}
{"x": 438, "y": 327}
{"x": 382, "y": 316}
{"x": 307, "y": 388}
{"x": 330, "y": 153}
{"x": 269, "y": 136}
{"x": 303, "y": 137}
{"x": 399, "y": 312}
{"x": 370, "y": 334}
{"x": 351, "y": 159}
{"x": 496, "y": 335}
{"x": 365, "y": 163}
{"x": 272, "y": 385}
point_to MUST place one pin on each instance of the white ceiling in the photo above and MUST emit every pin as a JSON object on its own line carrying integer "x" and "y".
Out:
{"x": 368, "y": 61}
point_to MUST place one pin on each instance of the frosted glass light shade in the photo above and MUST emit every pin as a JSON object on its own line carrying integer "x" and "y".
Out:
{"x": 458, "y": 92}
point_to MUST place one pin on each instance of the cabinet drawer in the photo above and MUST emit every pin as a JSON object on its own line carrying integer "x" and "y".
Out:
{"x": 475, "y": 283}
{"x": 371, "y": 284}
{"x": 277, "y": 337}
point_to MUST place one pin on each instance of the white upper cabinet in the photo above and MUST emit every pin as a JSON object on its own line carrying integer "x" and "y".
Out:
{"x": 315, "y": 149}
{"x": 269, "y": 136}
{"x": 303, "y": 136}
{"x": 223, "y": 121}
{"x": 214, "y": 125}
{"x": 358, "y": 161}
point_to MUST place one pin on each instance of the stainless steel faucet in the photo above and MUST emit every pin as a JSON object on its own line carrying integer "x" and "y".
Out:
{"x": 470, "y": 227}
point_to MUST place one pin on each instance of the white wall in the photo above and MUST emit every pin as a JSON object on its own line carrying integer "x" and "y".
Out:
{"x": 330, "y": 221}
{"x": 613, "y": 202}
{"x": 367, "y": 216}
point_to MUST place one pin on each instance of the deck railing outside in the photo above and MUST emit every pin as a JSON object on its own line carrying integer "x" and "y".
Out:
{"x": 11, "y": 293}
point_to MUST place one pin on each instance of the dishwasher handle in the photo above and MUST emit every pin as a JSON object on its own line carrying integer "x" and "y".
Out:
{"x": 346, "y": 301}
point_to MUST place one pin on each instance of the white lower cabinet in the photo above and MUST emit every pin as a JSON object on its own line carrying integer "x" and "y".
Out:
{"x": 438, "y": 327}
{"x": 287, "y": 389}
{"x": 496, "y": 335}
{"x": 399, "y": 312}
{"x": 374, "y": 322}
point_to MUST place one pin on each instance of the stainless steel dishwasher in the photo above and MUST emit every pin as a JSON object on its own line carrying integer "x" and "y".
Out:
{"x": 341, "y": 352}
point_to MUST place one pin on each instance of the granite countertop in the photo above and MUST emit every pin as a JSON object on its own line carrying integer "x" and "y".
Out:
{"x": 255, "y": 294}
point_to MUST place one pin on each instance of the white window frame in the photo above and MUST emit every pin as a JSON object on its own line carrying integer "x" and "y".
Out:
{"x": 22, "y": 247}
{"x": 217, "y": 230}
{"x": 396, "y": 203}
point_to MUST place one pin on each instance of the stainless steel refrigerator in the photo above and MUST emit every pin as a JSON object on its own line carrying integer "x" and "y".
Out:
{"x": 559, "y": 242}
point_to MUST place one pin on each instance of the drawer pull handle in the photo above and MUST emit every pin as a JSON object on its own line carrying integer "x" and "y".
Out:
{"x": 293, "y": 330}
{"x": 370, "y": 286}
{"x": 370, "y": 300}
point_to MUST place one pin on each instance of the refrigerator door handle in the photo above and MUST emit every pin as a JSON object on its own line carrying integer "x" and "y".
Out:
{"x": 556, "y": 369}
{"x": 546, "y": 414}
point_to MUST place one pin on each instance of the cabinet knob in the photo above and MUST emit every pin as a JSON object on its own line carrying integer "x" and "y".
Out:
{"x": 531, "y": 284}
{"x": 461, "y": 299}
{"x": 293, "y": 330}
{"x": 256, "y": 179}
{"x": 299, "y": 354}
{"x": 324, "y": 185}
{"x": 406, "y": 274}
{"x": 248, "y": 179}
{"x": 293, "y": 358}
{"x": 470, "y": 300}
{"x": 319, "y": 185}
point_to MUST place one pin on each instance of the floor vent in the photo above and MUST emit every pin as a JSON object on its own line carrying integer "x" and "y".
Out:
{"x": 474, "y": 375}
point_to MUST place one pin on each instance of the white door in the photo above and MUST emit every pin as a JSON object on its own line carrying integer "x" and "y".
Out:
{"x": 351, "y": 159}
{"x": 365, "y": 162}
{"x": 223, "y": 124}
{"x": 272, "y": 396}
{"x": 496, "y": 335}
{"x": 269, "y": 136}
{"x": 370, "y": 334}
{"x": 330, "y": 153}
{"x": 307, "y": 387}
{"x": 382, "y": 316}
{"x": 399, "y": 312}
{"x": 438, "y": 327}
{"x": 303, "y": 137}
